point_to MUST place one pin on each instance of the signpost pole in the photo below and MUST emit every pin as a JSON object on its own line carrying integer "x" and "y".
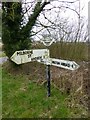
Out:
{"x": 48, "y": 79}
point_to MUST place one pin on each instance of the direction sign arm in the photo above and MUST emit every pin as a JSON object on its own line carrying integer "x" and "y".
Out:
{"x": 24, "y": 56}
{"x": 66, "y": 64}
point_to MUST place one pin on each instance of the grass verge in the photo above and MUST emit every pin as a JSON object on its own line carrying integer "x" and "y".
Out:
{"x": 0, "y": 92}
{"x": 22, "y": 98}
{"x": 2, "y": 54}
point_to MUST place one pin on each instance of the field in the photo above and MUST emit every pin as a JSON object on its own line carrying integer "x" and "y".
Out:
{"x": 24, "y": 91}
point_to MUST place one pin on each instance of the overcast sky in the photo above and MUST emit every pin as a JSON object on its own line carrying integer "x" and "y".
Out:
{"x": 84, "y": 3}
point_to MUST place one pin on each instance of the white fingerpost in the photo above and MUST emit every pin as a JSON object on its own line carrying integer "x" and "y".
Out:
{"x": 47, "y": 42}
{"x": 43, "y": 56}
{"x": 24, "y": 56}
{"x": 66, "y": 64}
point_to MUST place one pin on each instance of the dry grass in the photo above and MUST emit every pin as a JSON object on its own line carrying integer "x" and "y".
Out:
{"x": 70, "y": 51}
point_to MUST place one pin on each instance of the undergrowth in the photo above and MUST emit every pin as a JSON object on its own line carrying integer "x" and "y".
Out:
{"x": 70, "y": 51}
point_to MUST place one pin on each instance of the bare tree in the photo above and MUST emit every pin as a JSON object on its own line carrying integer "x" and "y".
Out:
{"x": 51, "y": 21}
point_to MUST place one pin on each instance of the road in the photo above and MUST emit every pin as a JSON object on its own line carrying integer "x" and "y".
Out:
{"x": 3, "y": 59}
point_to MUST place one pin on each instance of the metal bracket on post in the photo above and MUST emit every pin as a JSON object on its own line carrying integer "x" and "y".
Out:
{"x": 48, "y": 79}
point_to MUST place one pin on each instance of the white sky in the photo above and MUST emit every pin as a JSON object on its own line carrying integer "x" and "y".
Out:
{"x": 84, "y": 3}
{"x": 72, "y": 15}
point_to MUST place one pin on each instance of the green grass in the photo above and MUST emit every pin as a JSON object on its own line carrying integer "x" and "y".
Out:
{"x": 22, "y": 98}
{"x": 0, "y": 91}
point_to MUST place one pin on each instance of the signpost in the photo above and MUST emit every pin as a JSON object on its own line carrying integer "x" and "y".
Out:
{"x": 48, "y": 79}
{"x": 42, "y": 56}
{"x": 66, "y": 64}
{"x": 24, "y": 56}
{"x": 47, "y": 42}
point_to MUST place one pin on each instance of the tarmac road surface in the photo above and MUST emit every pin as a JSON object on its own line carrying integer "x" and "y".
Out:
{"x": 3, "y": 59}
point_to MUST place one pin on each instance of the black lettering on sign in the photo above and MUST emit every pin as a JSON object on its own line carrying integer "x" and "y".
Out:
{"x": 56, "y": 62}
{"x": 19, "y": 53}
{"x": 53, "y": 62}
{"x": 72, "y": 66}
{"x": 29, "y": 55}
{"x": 36, "y": 58}
{"x": 25, "y": 52}
{"x": 65, "y": 64}
{"x": 32, "y": 59}
{"x": 68, "y": 65}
